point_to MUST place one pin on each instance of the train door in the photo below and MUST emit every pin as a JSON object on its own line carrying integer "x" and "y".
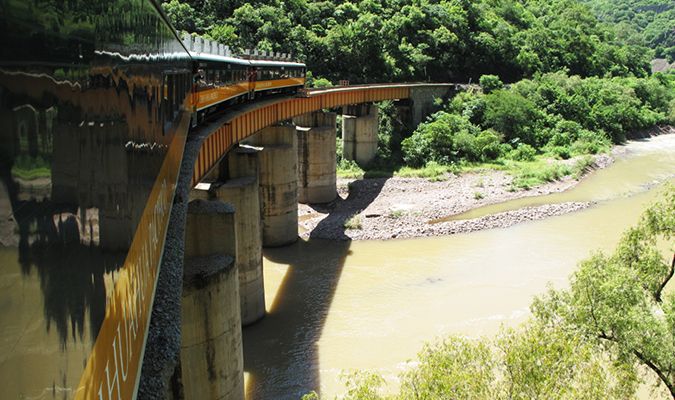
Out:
{"x": 251, "y": 82}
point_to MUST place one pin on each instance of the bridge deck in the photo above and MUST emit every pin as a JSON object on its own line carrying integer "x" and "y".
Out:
{"x": 240, "y": 123}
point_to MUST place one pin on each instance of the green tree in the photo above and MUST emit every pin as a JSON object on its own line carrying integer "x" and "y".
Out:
{"x": 531, "y": 362}
{"x": 618, "y": 300}
{"x": 514, "y": 116}
{"x": 490, "y": 83}
{"x": 183, "y": 17}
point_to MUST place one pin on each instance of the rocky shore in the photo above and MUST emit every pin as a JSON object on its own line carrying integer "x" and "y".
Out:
{"x": 397, "y": 208}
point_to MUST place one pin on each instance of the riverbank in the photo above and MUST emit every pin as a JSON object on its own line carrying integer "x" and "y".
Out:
{"x": 397, "y": 208}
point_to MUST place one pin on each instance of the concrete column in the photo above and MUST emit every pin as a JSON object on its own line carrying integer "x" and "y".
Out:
{"x": 243, "y": 161}
{"x": 212, "y": 359}
{"x": 359, "y": 132}
{"x": 278, "y": 184}
{"x": 243, "y": 193}
{"x": 316, "y": 157}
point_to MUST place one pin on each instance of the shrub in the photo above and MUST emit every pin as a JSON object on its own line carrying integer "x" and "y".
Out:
{"x": 354, "y": 222}
{"x": 561, "y": 152}
{"x": 524, "y": 152}
{"x": 512, "y": 115}
{"x": 322, "y": 83}
{"x": 490, "y": 83}
{"x": 441, "y": 139}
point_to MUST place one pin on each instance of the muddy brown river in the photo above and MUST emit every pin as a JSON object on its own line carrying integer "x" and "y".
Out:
{"x": 334, "y": 307}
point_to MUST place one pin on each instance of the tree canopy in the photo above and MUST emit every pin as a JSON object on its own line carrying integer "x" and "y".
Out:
{"x": 420, "y": 40}
{"x": 644, "y": 22}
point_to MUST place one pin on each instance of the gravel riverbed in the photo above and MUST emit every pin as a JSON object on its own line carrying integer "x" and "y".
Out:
{"x": 398, "y": 208}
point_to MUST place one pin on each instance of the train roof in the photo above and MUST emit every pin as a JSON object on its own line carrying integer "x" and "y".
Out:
{"x": 265, "y": 63}
{"x": 212, "y": 57}
{"x": 240, "y": 61}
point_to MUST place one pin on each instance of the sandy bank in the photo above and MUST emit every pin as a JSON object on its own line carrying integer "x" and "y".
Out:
{"x": 404, "y": 207}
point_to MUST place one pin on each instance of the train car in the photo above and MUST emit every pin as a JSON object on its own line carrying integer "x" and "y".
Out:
{"x": 94, "y": 111}
{"x": 222, "y": 80}
{"x": 277, "y": 77}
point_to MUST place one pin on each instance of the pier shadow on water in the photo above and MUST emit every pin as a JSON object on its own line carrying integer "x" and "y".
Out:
{"x": 281, "y": 351}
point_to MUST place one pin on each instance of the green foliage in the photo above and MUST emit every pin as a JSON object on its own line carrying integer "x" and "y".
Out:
{"x": 524, "y": 152}
{"x": 489, "y": 83}
{"x": 184, "y": 17}
{"x": 618, "y": 300}
{"x": 349, "y": 169}
{"x": 322, "y": 83}
{"x": 433, "y": 171}
{"x": 534, "y": 174}
{"x": 531, "y": 362}
{"x": 648, "y": 22}
{"x": 442, "y": 140}
{"x": 514, "y": 116}
{"x": 392, "y": 41}
{"x": 478, "y": 195}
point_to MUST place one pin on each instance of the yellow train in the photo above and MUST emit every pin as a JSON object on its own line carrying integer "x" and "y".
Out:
{"x": 225, "y": 80}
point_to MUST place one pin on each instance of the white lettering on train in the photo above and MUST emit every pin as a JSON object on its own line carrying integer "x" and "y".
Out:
{"x": 135, "y": 307}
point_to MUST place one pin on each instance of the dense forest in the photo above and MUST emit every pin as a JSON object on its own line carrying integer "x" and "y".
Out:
{"x": 420, "y": 40}
{"x": 645, "y": 22}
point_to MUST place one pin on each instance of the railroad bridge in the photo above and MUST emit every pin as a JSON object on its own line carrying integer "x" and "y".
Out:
{"x": 131, "y": 250}
{"x": 263, "y": 159}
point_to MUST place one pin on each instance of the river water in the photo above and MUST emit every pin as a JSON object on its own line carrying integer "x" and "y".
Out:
{"x": 371, "y": 305}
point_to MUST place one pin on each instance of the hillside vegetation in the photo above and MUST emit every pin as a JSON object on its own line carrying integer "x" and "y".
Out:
{"x": 644, "y": 22}
{"x": 420, "y": 40}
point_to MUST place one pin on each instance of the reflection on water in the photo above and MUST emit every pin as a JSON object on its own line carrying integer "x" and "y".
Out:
{"x": 82, "y": 112}
{"x": 371, "y": 305}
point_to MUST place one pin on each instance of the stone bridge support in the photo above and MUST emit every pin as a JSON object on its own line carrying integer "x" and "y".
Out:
{"x": 278, "y": 180}
{"x": 359, "y": 132}
{"x": 243, "y": 194}
{"x": 316, "y": 157}
{"x": 420, "y": 104}
{"x": 212, "y": 358}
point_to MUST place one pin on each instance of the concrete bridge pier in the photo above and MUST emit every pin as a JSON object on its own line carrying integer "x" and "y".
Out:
{"x": 278, "y": 179}
{"x": 359, "y": 132}
{"x": 316, "y": 157}
{"x": 212, "y": 358}
{"x": 243, "y": 194}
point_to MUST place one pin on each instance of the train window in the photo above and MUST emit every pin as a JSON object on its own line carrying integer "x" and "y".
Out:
{"x": 167, "y": 100}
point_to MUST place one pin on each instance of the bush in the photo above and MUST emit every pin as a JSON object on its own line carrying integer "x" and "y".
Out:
{"x": 354, "y": 222}
{"x": 322, "y": 83}
{"x": 488, "y": 145}
{"x": 524, "y": 152}
{"x": 490, "y": 83}
{"x": 561, "y": 152}
{"x": 442, "y": 139}
{"x": 512, "y": 115}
